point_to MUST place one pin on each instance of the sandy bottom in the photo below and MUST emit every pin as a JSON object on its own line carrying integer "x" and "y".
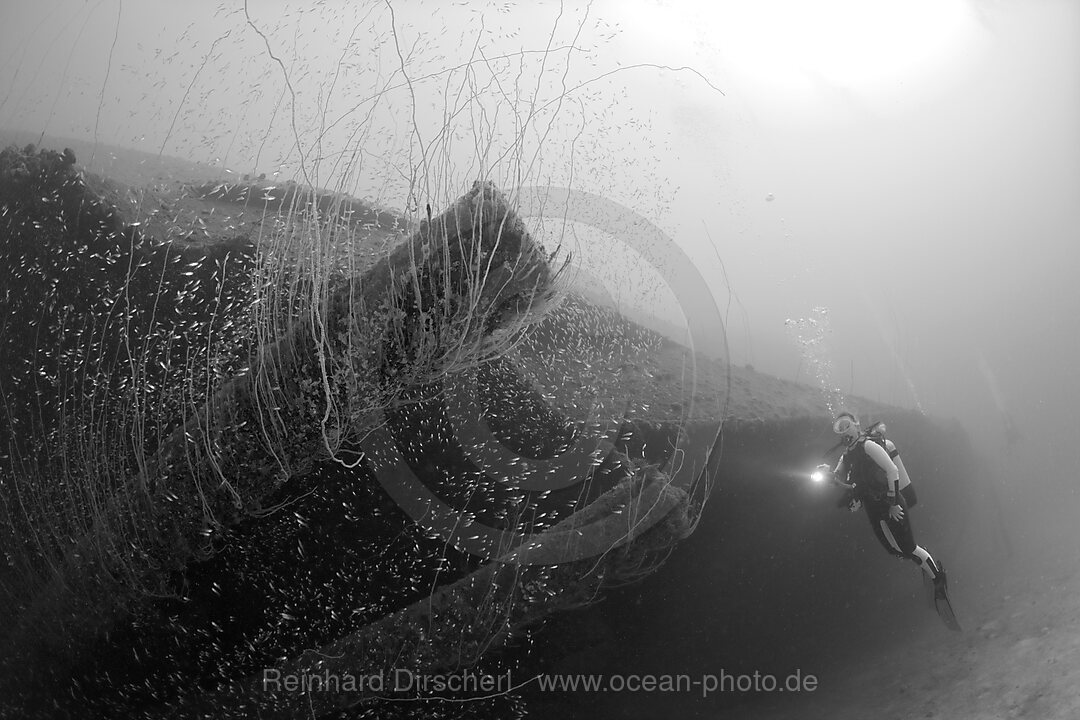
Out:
{"x": 1017, "y": 657}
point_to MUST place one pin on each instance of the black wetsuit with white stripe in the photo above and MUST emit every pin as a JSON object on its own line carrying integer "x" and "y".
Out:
{"x": 873, "y": 467}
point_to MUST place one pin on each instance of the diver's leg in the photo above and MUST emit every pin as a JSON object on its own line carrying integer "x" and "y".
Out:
{"x": 905, "y": 539}
{"x": 878, "y": 513}
{"x": 926, "y": 561}
{"x": 899, "y": 533}
{"x": 920, "y": 555}
{"x": 935, "y": 573}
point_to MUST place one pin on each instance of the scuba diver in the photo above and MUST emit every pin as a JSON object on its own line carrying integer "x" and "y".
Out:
{"x": 874, "y": 477}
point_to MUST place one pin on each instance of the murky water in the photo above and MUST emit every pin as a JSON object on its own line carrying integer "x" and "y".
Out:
{"x": 490, "y": 347}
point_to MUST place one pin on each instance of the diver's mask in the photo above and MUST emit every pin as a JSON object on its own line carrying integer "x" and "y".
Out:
{"x": 847, "y": 426}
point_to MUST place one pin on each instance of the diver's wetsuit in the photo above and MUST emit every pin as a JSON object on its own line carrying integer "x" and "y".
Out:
{"x": 879, "y": 482}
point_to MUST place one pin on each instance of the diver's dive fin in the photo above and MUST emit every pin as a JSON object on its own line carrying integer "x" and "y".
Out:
{"x": 945, "y": 611}
{"x": 941, "y": 603}
{"x": 928, "y": 589}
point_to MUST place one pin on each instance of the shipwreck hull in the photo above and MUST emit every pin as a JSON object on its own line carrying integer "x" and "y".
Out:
{"x": 260, "y": 487}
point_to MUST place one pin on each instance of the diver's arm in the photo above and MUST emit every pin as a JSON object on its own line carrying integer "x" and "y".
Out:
{"x": 839, "y": 472}
{"x": 905, "y": 480}
{"x": 879, "y": 455}
{"x": 894, "y": 455}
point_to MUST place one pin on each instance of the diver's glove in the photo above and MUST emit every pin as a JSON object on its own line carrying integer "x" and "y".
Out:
{"x": 896, "y": 513}
{"x": 854, "y": 505}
